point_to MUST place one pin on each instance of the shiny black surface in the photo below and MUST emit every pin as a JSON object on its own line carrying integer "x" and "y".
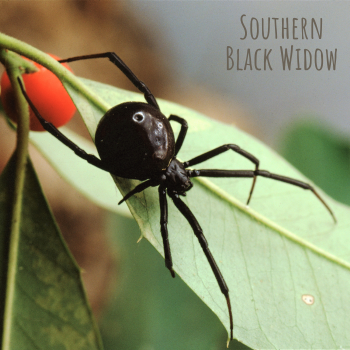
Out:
{"x": 136, "y": 140}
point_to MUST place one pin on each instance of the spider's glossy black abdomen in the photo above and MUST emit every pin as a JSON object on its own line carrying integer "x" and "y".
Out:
{"x": 136, "y": 140}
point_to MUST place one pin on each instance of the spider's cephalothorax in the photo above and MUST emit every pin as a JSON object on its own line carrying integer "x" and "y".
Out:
{"x": 176, "y": 178}
{"x": 136, "y": 141}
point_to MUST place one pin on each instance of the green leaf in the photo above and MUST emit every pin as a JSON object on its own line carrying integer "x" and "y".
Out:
{"x": 162, "y": 310}
{"x": 95, "y": 184}
{"x": 46, "y": 305}
{"x": 276, "y": 255}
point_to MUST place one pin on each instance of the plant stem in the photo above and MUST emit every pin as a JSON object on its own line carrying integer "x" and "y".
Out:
{"x": 48, "y": 62}
{"x": 21, "y": 155}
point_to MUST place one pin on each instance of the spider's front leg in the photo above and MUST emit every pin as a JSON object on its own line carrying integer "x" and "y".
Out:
{"x": 263, "y": 173}
{"x": 164, "y": 228}
{"x": 216, "y": 151}
{"x": 186, "y": 212}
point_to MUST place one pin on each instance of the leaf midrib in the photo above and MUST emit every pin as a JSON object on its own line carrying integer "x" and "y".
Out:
{"x": 216, "y": 190}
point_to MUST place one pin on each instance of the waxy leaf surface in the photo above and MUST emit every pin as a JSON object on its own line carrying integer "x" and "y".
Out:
{"x": 287, "y": 264}
{"x": 49, "y": 309}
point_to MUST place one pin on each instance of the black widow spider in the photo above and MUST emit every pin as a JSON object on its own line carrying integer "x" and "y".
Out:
{"x": 136, "y": 141}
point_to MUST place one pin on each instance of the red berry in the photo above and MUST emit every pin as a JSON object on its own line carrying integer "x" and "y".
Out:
{"x": 46, "y": 92}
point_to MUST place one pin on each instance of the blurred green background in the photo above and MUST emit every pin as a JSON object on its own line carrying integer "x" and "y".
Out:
{"x": 321, "y": 153}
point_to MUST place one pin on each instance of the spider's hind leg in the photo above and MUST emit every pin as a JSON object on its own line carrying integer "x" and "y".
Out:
{"x": 183, "y": 131}
{"x": 117, "y": 61}
{"x": 90, "y": 158}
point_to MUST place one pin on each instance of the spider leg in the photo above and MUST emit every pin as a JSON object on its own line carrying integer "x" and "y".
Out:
{"x": 216, "y": 151}
{"x": 90, "y": 158}
{"x": 116, "y": 60}
{"x": 139, "y": 188}
{"x": 264, "y": 173}
{"x": 186, "y": 212}
{"x": 164, "y": 228}
{"x": 183, "y": 131}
